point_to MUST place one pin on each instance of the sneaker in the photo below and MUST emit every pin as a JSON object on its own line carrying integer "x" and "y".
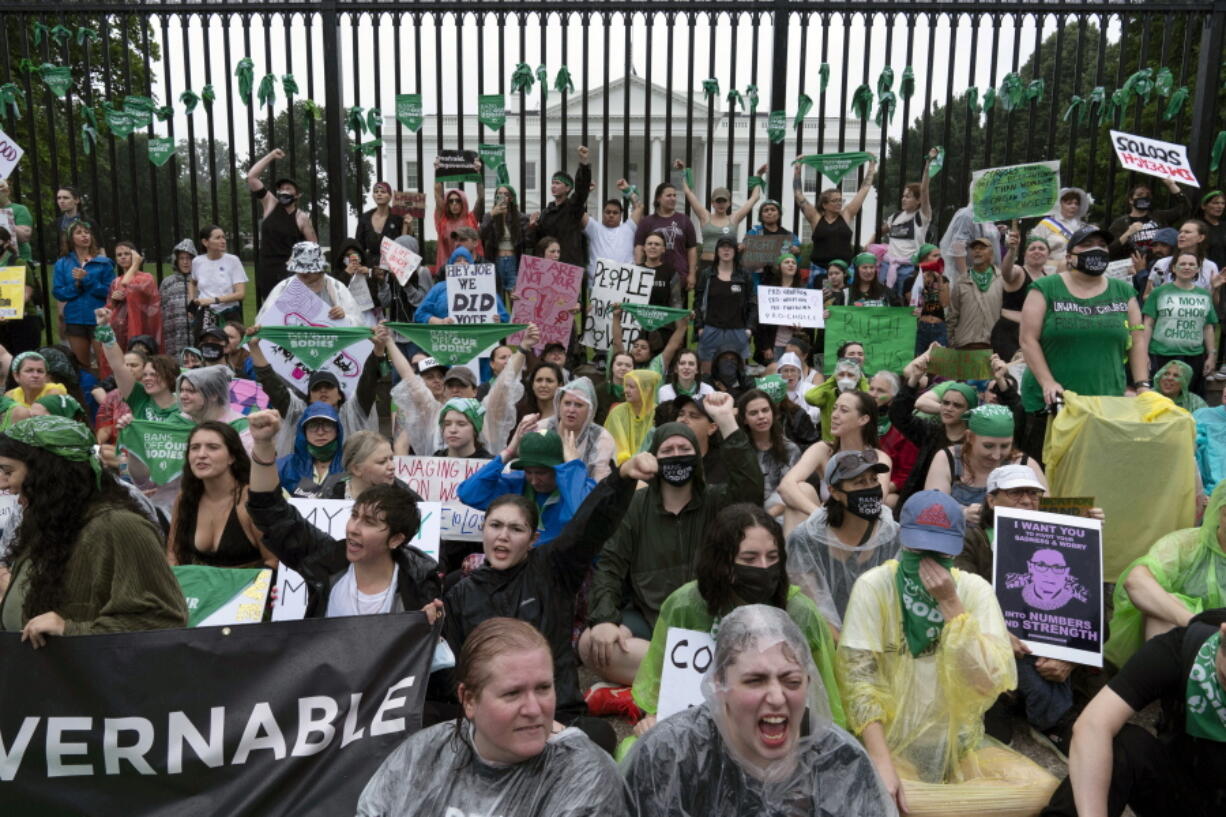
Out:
{"x": 605, "y": 699}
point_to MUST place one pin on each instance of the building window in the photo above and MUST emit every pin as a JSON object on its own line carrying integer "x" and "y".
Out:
{"x": 736, "y": 175}
{"x": 810, "y": 177}
{"x": 411, "y": 182}
{"x": 850, "y": 184}
{"x": 529, "y": 175}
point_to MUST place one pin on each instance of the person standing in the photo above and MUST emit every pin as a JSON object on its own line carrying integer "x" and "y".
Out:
{"x": 721, "y": 219}
{"x": 82, "y": 284}
{"x": 282, "y": 224}
{"x": 1181, "y": 322}
{"x": 613, "y": 236}
{"x": 680, "y": 238}
{"x": 830, "y": 221}
{"x": 975, "y": 300}
{"x": 17, "y": 219}
{"x": 219, "y": 282}
{"x": 1135, "y": 230}
{"x": 135, "y": 303}
{"x": 378, "y": 223}
{"x": 563, "y": 218}
{"x": 176, "y": 320}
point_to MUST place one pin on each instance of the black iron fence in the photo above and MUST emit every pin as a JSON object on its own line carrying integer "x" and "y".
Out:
{"x": 642, "y": 83}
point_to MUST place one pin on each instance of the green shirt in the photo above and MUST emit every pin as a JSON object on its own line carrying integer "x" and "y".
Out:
{"x": 1084, "y": 340}
{"x": 22, "y": 218}
{"x": 144, "y": 408}
{"x": 1179, "y": 317}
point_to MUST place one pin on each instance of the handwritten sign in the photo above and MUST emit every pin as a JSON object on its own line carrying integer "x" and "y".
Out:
{"x": 399, "y": 261}
{"x": 408, "y": 203}
{"x": 457, "y": 166}
{"x": 1154, "y": 157}
{"x": 471, "y": 292}
{"x": 544, "y": 294}
{"x": 960, "y": 364}
{"x": 435, "y": 479}
{"x": 291, "y": 601}
{"x": 687, "y": 656}
{"x": 10, "y": 155}
{"x": 12, "y": 293}
{"x": 761, "y": 250}
{"x": 887, "y": 333}
{"x": 1048, "y": 573}
{"x": 1121, "y": 270}
{"x": 331, "y": 516}
{"x": 614, "y": 283}
{"x": 1015, "y": 191}
{"x": 790, "y": 306}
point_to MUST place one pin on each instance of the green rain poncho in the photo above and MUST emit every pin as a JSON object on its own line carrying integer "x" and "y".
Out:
{"x": 1185, "y": 399}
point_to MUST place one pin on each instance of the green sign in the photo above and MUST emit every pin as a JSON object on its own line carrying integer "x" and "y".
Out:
{"x": 652, "y": 318}
{"x": 1016, "y": 191}
{"x": 451, "y": 344}
{"x": 960, "y": 364}
{"x": 314, "y": 345}
{"x": 408, "y": 111}
{"x": 492, "y": 110}
{"x": 120, "y": 122}
{"x": 886, "y": 332}
{"x": 834, "y": 166}
{"x": 161, "y": 149}
{"x": 207, "y": 589}
{"x": 160, "y": 446}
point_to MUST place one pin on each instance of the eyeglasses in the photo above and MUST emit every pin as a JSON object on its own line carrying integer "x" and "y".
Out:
{"x": 720, "y": 200}
{"x": 1042, "y": 567}
{"x": 1022, "y": 493}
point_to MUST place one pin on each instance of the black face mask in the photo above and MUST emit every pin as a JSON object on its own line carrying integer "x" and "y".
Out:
{"x": 755, "y": 585}
{"x": 1142, "y": 203}
{"x": 726, "y": 372}
{"x": 1093, "y": 261}
{"x": 678, "y": 471}
{"x": 286, "y": 199}
{"x": 865, "y": 504}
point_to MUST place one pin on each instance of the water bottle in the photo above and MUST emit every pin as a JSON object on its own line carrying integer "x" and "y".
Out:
{"x": 124, "y": 473}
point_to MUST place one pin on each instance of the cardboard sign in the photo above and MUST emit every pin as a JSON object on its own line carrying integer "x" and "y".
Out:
{"x": 887, "y": 332}
{"x": 1015, "y": 191}
{"x": 544, "y": 294}
{"x": 614, "y": 283}
{"x": 435, "y": 479}
{"x": 399, "y": 261}
{"x": 790, "y": 306}
{"x": 472, "y": 293}
{"x": 761, "y": 250}
{"x": 960, "y": 364}
{"x": 457, "y": 166}
{"x": 687, "y": 656}
{"x": 10, "y": 155}
{"x": 12, "y": 293}
{"x": 331, "y": 516}
{"x": 409, "y": 203}
{"x": 291, "y": 602}
{"x": 1121, "y": 270}
{"x": 1153, "y": 157}
{"x": 1048, "y": 575}
{"x": 1067, "y": 505}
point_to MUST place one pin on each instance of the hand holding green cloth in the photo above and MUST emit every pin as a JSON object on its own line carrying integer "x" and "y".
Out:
{"x": 652, "y": 318}
{"x": 161, "y": 446}
{"x": 61, "y": 437}
{"x": 834, "y": 166}
{"x": 922, "y": 620}
{"x": 314, "y": 345}
{"x": 452, "y": 344}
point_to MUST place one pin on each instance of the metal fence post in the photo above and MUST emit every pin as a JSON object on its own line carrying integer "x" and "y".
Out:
{"x": 780, "y": 65}
{"x": 1204, "y": 105}
{"x": 334, "y": 124}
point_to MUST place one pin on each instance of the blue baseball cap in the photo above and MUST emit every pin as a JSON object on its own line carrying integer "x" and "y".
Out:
{"x": 1167, "y": 235}
{"x": 932, "y": 521}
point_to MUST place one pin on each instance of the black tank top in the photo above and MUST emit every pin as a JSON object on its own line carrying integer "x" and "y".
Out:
{"x": 279, "y": 232}
{"x": 1014, "y": 300}
{"x": 831, "y": 240}
{"x": 234, "y": 549}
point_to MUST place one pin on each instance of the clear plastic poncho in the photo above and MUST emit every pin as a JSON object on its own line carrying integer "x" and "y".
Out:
{"x": 825, "y": 569}
{"x": 931, "y": 707}
{"x": 437, "y": 772}
{"x": 702, "y": 762}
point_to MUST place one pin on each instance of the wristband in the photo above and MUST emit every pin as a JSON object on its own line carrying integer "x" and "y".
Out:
{"x": 105, "y": 335}
{"x": 264, "y": 463}
{"x": 1141, "y": 384}
{"x": 756, "y": 181}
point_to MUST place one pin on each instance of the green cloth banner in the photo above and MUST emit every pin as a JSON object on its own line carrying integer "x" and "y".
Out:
{"x": 314, "y": 345}
{"x": 120, "y": 122}
{"x": 960, "y": 364}
{"x": 56, "y": 77}
{"x": 207, "y": 589}
{"x": 652, "y": 318}
{"x": 140, "y": 110}
{"x": 161, "y": 149}
{"x": 160, "y": 446}
{"x": 834, "y": 166}
{"x": 492, "y": 110}
{"x": 776, "y": 126}
{"x": 453, "y": 344}
{"x": 492, "y": 156}
{"x": 408, "y": 111}
{"x": 886, "y": 332}
{"x": 1016, "y": 191}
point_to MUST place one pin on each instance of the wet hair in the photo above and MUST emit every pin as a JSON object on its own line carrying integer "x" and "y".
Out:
{"x": 532, "y": 514}
{"x": 659, "y": 193}
{"x": 528, "y": 403}
{"x": 359, "y": 446}
{"x": 167, "y": 368}
{"x": 509, "y": 220}
{"x": 390, "y": 502}
{"x": 183, "y": 525}
{"x": 76, "y": 227}
{"x": 487, "y": 641}
{"x": 845, "y": 345}
{"x": 714, "y": 565}
{"x": 672, "y": 367}
{"x": 778, "y": 449}
{"x": 543, "y": 245}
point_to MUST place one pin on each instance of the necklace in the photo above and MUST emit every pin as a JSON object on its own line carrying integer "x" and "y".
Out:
{"x": 365, "y": 604}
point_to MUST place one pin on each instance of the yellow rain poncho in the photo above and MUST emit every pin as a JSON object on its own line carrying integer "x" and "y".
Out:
{"x": 1189, "y": 564}
{"x": 931, "y": 707}
{"x": 629, "y": 427}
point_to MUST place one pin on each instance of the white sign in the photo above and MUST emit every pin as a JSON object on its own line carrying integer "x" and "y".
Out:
{"x": 790, "y": 306}
{"x": 1121, "y": 270}
{"x": 331, "y": 516}
{"x": 472, "y": 293}
{"x": 1153, "y": 157}
{"x": 615, "y": 283}
{"x": 10, "y": 155}
{"x": 687, "y": 656}
{"x": 399, "y": 261}
{"x": 435, "y": 479}
{"x": 299, "y": 306}
{"x": 291, "y": 602}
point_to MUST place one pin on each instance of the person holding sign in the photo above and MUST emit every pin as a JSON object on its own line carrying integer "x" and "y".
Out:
{"x": 309, "y": 266}
{"x": 763, "y": 742}
{"x": 1135, "y": 230}
{"x": 21, "y": 334}
{"x": 378, "y": 223}
{"x": 830, "y": 221}
{"x": 434, "y": 307}
{"x": 923, "y": 654}
{"x": 1016, "y": 280}
{"x": 451, "y": 213}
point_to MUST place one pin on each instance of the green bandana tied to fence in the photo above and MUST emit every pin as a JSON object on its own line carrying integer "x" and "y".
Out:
{"x": 710, "y": 88}
{"x": 824, "y": 73}
{"x": 161, "y": 149}
{"x": 907, "y": 86}
{"x": 207, "y": 589}
{"x": 245, "y": 71}
{"x": 834, "y": 166}
{"x": 374, "y": 121}
{"x": 452, "y": 344}
{"x": 776, "y": 126}
{"x": 1164, "y": 82}
{"x": 652, "y": 318}
{"x": 268, "y": 90}
{"x": 314, "y": 345}
{"x": 289, "y": 85}
{"x": 208, "y": 96}
{"x": 354, "y": 120}
{"x": 89, "y": 130}
{"x": 160, "y": 446}
{"x": 10, "y": 96}
{"x": 562, "y": 83}
{"x": 139, "y": 110}
{"x": 521, "y": 80}
{"x": 862, "y": 102}
{"x": 751, "y": 94}
{"x": 543, "y": 76}
{"x": 1175, "y": 106}
{"x": 492, "y": 110}
{"x": 56, "y": 77}
{"x": 804, "y": 104}
{"x": 1215, "y": 155}
{"x": 408, "y": 111}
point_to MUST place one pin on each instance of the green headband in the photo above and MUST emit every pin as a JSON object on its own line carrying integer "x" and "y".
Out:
{"x": 991, "y": 420}
{"x": 972, "y": 396}
{"x": 60, "y": 405}
{"x": 1210, "y": 196}
{"x": 840, "y": 263}
{"x": 785, "y": 255}
{"x": 864, "y": 258}
{"x": 60, "y": 436}
{"x": 563, "y": 177}
{"x": 770, "y": 203}
{"x": 922, "y": 252}
{"x": 22, "y": 358}
{"x": 470, "y": 408}
{"x": 1033, "y": 237}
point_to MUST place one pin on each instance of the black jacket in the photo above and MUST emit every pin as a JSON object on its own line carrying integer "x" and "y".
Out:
{"x": 749, "y": 302}
{"x": 565, "y": 221}
{"x": 321, "y": 559}
{"x": 541, "y": 589}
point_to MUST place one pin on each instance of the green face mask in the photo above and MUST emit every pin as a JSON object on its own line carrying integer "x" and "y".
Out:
{"x": 323, "y": 453}
{"x": 922, "y": 620}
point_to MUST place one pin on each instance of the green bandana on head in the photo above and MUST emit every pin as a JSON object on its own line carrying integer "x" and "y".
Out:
{"x": 774, "y": 386}
{"x": 60, "y": 405}
{"x": 469, "y": 407}
{"x": 972, "y": 396}
{"x": 922, "y": 253}
{"x": 15, "y": 366}
{"x": 564, "y": 178}
{"x": 60, "y": 436}
{"x": 991, "y": 420}
{"x": 1206, "y": 700}
{"x": 1210, "y": 196}
{"x": 922, "y": 620}
{"x": 864, "y": 258}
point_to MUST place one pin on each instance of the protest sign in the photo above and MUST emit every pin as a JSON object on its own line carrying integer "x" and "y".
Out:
{"x": 400, "y": 261}
{"x": 687, "y": 655}
{"x": 1153, "y": 157}
{"x": 331, "y": 516}
{"x": 408, "y": 203}
{"x": 408, "y": 111}
{"x": 472, "y": 293}
{"x": 457, "y": 166}
{"x": 12, "y": 293}
{"x": 887, "y": 333}
{"x": 10, "y": 155}
{"x": 960, "y": 364}
{"x": 790, "y": 306}
{"x": 1015, "y": 191}
{"x": 160, "y": 446}
{"x": 290, "y": 603}
{"x": 1121, "y": 270}
{"x": 435, "y": 479}
{"x": 614, "y": 283}
{"x": 1067, "y": 505}
{"x": 314, "y": 345}
{"x": 492, "y": 110}
{"x": 455, "y": 345}
{"x": 1048, "y": 575}
{"x": 299, "y": 306}
{"x": 267, "y": 720}
{"x": 544, "y": 294}
{"x": 761, "y": 250}
{"x": 218, "y": 596}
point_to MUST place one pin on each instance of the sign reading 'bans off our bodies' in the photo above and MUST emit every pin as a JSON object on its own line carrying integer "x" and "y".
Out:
{"x": 1016, "y": 191}
{"x": 1154, "y": 157}
{"x": 790, "y": 306}
{"x": 615, "y": 283}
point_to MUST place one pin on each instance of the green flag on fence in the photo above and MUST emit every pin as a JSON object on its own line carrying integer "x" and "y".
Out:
{"x": 834, "y": 166}
{"x": 314, "y": 345}
{"x": 652, "y": 318}
{"x": 452, "y": 344}
{"x": 492, "y": 110}
{"x": 408, "y": 111}
{"x": 161, "y": 149}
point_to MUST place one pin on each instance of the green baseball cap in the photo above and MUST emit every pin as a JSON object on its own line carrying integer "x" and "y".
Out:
{"x": 540, "y": 449}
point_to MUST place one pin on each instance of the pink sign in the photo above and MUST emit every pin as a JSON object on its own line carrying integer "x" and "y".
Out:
{"x": 545, "y": 294}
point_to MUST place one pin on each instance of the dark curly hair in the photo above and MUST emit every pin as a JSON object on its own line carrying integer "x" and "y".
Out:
{"x": 718, "y": 554}
{"x": 778, "y": 450}
{"x": 60, "y": 496}
{"x": 183, "y": 526}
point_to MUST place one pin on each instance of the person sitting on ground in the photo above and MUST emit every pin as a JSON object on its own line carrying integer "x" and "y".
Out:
{"x": 317, "y": 453}
{"x": 929, "y": 434}
{"x": 1173, "y": 381}
{"x": 961, "y": 470}
{"x": 574, "y": 406}
{"x": 630, "y": 422}
{"x": 691, "y": 412}
{"x": 884, "y": 387}
{"x": 640, "y": 347}
{"x": 684, "y": 378}
{"x": 763, "y": 742}
{"x": 923, "y": 654}
{"x": 367, "y": 461}
{"x": 848, "y": 376}
{"x": 759, "y": 416}
{"x": 28, "y": 379}
{"x": 462, "y": 420}
{"x": 613, "y": 390}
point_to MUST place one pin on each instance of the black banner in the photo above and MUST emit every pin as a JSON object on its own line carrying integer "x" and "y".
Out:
{"x": 286, "y": 718}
